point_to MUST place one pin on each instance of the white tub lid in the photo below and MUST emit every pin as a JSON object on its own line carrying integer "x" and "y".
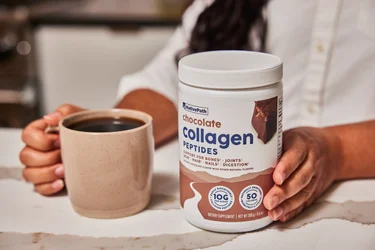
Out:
{"x": 230, "y": 69}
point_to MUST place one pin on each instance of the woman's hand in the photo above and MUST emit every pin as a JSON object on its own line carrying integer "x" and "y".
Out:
{"x": 306, "y": 169}
{"x": 41, "y": 154}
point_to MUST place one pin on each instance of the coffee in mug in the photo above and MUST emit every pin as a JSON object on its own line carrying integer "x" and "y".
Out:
{"x": 106, "y": 124}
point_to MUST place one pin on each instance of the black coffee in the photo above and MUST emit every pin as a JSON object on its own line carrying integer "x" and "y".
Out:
{"x": 106, "y": 124}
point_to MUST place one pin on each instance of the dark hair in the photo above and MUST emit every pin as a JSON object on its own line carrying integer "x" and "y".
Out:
{"x": 229, "y": 25}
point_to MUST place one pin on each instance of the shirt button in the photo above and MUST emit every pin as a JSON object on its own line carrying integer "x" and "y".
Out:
{"x": 320, "y": 48}
{"x": 311, "y": 108}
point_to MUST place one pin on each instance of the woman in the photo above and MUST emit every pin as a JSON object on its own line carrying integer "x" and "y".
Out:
{"x": 328, "y": 49}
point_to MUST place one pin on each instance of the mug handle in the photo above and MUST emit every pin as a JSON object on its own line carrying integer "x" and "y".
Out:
{"x": 52, "y": 129}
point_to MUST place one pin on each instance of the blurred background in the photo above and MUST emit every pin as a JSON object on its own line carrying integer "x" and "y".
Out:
{"x": 75, "y": 51}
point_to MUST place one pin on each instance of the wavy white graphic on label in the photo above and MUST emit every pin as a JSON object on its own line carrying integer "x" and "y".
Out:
{"x": 191, "y": 205}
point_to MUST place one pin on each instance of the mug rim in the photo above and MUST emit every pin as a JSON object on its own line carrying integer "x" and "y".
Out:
{"x": 110, "y": 111}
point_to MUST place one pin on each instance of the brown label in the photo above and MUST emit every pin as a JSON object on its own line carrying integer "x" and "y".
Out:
{"x": 253, "y": 185}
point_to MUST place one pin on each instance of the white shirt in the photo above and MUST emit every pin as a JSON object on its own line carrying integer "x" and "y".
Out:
{"x": 328, "y": 50}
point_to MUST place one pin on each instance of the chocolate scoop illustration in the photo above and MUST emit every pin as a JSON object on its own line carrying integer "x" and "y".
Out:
{"x": 264, "y": 119}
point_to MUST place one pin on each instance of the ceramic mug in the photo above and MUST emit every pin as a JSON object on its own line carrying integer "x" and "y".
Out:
{"x": 108, "y": 174}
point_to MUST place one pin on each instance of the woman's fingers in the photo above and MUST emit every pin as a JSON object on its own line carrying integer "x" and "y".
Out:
{"x": 295, "y": 212}
{"x": 50, "y": 188}
{"x": 291, "y": 214}
{"x": 34, "y": 158}
{"x": 294, "y": 202}
{"x": 34, "y": 136}
{"x": 62, "y": 111}
{"x": 53, "y": 118}
{"x": 295, "y": 152}
{"x": 44, "y": 174}
{"x": 42, "y": 155}
{"x": 295, "y": 183}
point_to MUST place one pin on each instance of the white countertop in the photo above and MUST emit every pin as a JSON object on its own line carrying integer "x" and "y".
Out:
{"x": 343, "y": 219}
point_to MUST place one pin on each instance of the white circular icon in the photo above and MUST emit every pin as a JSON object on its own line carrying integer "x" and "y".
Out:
{"x": 251, "y": 197}
{"x": 221, "y": 198}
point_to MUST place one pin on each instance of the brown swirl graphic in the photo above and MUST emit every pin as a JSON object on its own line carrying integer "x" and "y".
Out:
{"x": 204, "y": 182}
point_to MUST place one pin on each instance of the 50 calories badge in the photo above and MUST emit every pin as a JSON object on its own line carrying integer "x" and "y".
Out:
{"x": 221, "y": 198}
{"x": 251, "y": 197}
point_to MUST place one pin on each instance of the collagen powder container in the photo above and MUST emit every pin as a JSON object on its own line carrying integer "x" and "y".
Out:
{"x": 230, "y": 135}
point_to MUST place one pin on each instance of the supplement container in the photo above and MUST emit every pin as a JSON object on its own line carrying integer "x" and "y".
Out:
{"x": 230, "y": 136}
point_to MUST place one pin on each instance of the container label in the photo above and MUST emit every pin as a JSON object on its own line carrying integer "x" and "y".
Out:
{"x": 227, "y": 153}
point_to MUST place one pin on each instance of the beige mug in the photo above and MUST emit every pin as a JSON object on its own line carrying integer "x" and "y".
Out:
{"x": 108, "y": 174}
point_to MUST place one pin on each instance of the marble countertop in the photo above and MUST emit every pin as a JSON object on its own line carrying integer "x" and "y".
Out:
{"x": 343, "y": 219}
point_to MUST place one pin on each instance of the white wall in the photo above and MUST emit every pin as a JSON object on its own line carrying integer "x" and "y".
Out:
{"x": 83, "y": 65}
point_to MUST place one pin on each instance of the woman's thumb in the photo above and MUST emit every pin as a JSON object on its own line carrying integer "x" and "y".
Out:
{"x": 62, "y": 111}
